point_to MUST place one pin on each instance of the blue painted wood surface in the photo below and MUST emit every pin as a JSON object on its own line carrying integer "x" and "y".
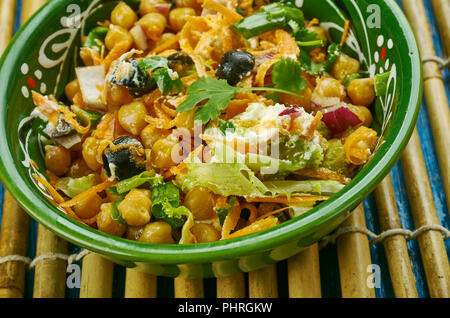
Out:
{"x": 328, "y": 256}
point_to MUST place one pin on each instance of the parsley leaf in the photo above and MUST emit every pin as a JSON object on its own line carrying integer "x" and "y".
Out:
{"x": 316, "y": 68}
{"x": 226, "y": 125}
{"x": 287, "y": 74}
{"x": 218, "y": 93}
{"x": 166, "y": 79}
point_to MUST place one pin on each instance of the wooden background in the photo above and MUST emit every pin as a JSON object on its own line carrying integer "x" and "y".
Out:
{"x": 412, "y": 196}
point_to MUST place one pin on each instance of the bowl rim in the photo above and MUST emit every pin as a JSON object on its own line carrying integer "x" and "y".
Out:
{"x": 120, "y": 248}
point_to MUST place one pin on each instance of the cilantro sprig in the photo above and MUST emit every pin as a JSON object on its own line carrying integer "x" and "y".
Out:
{"x": 286, "y": 77}
{"x": 166, "y": 79}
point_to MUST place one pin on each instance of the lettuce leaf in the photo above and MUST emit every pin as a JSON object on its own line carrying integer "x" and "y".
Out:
{"x": 222, "y": 178}
{"x": 166, "y": 205}
{"x": 146, "y": 177}
{"x": 74, "y": 186}
{"x": 289, "y": 187}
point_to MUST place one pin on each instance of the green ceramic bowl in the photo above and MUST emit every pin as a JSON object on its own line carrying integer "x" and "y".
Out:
{"x": 42, "y": 57}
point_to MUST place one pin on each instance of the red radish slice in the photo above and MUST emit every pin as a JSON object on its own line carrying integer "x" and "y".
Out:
{"x": 339, "y": 118}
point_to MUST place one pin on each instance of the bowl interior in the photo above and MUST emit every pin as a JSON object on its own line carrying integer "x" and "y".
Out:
{"x": 42, "y": 57}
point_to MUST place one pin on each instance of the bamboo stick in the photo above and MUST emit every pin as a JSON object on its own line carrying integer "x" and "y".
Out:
{"x": 231, "y": 286}
{"x": 304, "y": 274}
{"x": 431, "y": 243}
{"x": 354, "y": 259}
{"x": 49, "y": 275}
{"x": 15, "y": 222}
{"x": 434, "y": 89}
{"x": 262, "y": 283}
{"x": 403, "y": 280}
{"x": 13, "y": 241}
{"x": 441, "y": 10}
{"x": 96, "y": 277}
{"x": 189, "y": 288}
{"x": 7, "y": 9}
{"x": 140, "y": 285}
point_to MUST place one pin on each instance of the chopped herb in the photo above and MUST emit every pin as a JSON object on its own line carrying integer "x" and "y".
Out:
{"x": 166, "y": 79}
{"x": 96, "y": 38}
{"x": 218, "y": 93}
{"x": 223, "y": 212}
{"x": 115, "y": 213}
{"x": 317, "y": 68}
{"x": 227, "y": 125}
{"x": 125, "y": 186}
{"x": 381, "y": 83}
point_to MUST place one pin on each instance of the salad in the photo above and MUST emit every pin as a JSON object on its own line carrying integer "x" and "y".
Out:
{"x": 196, "y": 121}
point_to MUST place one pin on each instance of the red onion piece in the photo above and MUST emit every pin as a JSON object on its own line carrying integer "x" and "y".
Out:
{"x": 163, "y": 8}
{"x": 339, "y": 118}
{"x": 294, "y": 111}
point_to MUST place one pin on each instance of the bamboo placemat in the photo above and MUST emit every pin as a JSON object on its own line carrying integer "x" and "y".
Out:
{"x": 408, "y": 257}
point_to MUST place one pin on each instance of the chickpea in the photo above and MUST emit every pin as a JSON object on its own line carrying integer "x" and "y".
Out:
{"x": 79, "y": 169}
{"x": 57, "y": 160}
{"x": 151, "y": 134}
{"x": 88, "y": 207}
{"x": 363, "y": 113}
{"x": 148, "y": 6}
{"x": 117, "y": 34}
{"x": 188, "y": 4}
{"x": 164, "y": 152}
{"x": 118, "y": 95}
{"x": 362, "y": 91}
{"x": 135, "y": 209}
{"x": 344, "y": 66}
{"x": 123, "y": 15}
{"x": 179, "y": 16}
{"x": 132, "y": 117}
{"x": 329, "y": 87}
{"x": 205, "y": 233}
{"x": 89, "y": 152}
{"x": 319, "y": 31}
{"x": 153, "y": 25}
{"x": 134, "y": 232}
{"x": 201, "y": 203}
{"x": 71, "y": 89}
{"x": 157, "y": 233}
{"x": 106, "y": 224}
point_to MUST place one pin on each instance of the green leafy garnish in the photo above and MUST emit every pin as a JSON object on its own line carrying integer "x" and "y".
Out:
{"x": 316, "y": 68}
{"x": 166, "y": 79}
{"x": 287, "y": 74}
{"x": 93, "y": 116}
{"x": 166, "y": 205}
{"x": 223, "y": 212}
{"x": 304, "y": 37}
{"x": 271, "y": 17}
{"x": 218, "y": 93}
{"x": 226, "y": 125}
{"x": 381, "y": 82}
{"x": 145, "y": 178}
{"x": 96, "y": 38}
{"x": 115, "y": 213}
{"x": 74, "y": 186}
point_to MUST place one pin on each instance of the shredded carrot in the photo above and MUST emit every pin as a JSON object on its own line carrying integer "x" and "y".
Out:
{"x": 166, "y": 44}
{"x": 56, "y": 196}
{"x": 98, "y": 188}
{"x": 253, "y": 212}
{"x": 46, "y": 106}
{"x": 313, "y": 22}
{"x": 236, "y": 107}
{"x": 231, "y": 220}
{"x": 360, "y": 144}
{"x": 263, "y": 69}
{"x": 291, "y": 200}
{"x": 231, "y": 16}
{"x": 346, "y": 32}
{"x": 117, "y": 51}
{"x": 324, "y": 174}
{"x": 255, "y": 227}
{"x": 315, "y": 122}
{"x": 105, "y": 129}
{"x": 287, "y": 44}
{"x": 264, "y": 216}
{"x": 69, "y": 117}
{"x": 79, "y": 101}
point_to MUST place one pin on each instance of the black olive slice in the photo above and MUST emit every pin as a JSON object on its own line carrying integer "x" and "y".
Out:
{"x": 235, "y": 65}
